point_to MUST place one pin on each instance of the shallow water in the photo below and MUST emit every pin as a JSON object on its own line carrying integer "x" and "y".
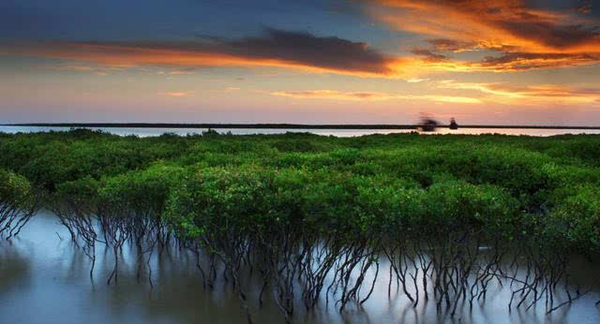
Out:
{"x": 44, "y": 279}
{"x": 156, "y": 131}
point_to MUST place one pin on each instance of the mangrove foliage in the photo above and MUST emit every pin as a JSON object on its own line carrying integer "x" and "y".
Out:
{"x": 311, "y": 216}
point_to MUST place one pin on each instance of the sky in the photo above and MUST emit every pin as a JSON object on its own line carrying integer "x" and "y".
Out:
{"x": 507, "y": 62}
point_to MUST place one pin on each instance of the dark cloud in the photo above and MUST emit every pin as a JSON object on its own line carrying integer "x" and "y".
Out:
{"x": 533, "y": 61}
{"x": 271, "y": 48}
{"x": 450, "y": 45}
{"x": 293, "y": 47}
{"x": 305, "y": 48}
{"x": 584, "y": 8}
{"x": 552, "y": 35}
{"x": 429, "y": 55}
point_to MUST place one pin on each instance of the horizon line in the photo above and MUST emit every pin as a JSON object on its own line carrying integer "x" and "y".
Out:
{"x": 283, "y": 125}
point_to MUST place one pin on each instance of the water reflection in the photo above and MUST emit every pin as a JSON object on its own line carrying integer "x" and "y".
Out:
{"x": 14, "y": 274}
{"x": 44, "y": 279}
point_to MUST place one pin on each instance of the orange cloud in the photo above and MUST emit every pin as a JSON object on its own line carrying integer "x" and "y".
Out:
{"x": 371, "y": 96}
{"x": 534, "y": 95}
{"x": 184, "y": 61}
{"x": 78, "y": 67}
{"x": 130, "y": 55}
{"x": 501, "y": 25}
{"x": 314, "y": 54}
{"x": 534, "y": 61}
{"x": 451, "y": 45}
{"x": 273, "y": 48}
{"x": 174, "y": 94}
{"x": 183, "y": 71}
{"x": 525, "y": 38}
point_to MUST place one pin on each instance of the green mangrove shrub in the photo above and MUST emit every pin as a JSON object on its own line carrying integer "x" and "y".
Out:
{"x": 17, "y": 203}
{"x": 313, "y": 215}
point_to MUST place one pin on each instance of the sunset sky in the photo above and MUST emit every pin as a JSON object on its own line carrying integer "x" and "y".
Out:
{"x": 303, "y": 61}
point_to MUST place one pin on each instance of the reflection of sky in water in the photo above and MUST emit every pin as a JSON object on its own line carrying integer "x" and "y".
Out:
{"x": 156, "y": 131}
{"x": 44, "y": 280}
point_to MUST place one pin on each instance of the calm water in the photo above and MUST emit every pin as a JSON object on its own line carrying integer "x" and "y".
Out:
{"x": 143, "y": 132}
{"x": 43, "y": 279}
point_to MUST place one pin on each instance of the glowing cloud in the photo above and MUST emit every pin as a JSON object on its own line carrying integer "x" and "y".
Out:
{"x": 174, "y": 94}
{"x": 495, "y": 25}
{"x": 527, "y": 38}
{"x": 300, "y": 51}
{"x": 371, "y": 96}
{"x": 274, "y": 48}
{"x": 528, "y": 95}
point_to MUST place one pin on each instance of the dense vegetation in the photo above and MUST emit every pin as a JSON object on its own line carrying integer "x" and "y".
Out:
{"x": 301, "y": 206}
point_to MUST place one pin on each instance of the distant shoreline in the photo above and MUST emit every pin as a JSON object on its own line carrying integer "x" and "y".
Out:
{"x": 282, "y": 126}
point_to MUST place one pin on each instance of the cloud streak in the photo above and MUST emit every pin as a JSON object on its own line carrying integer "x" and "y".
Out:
{"x": 527, "y": 95}
{"x": 428, "y": 55}
{"x": 273, "y": 48}
{"x": 535, "y": 61}
{"x": 329, "y": 53}
{"x": 174, "y": 94}
{"x": 451, "y": 45}
{"x": 371, "y": 96}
